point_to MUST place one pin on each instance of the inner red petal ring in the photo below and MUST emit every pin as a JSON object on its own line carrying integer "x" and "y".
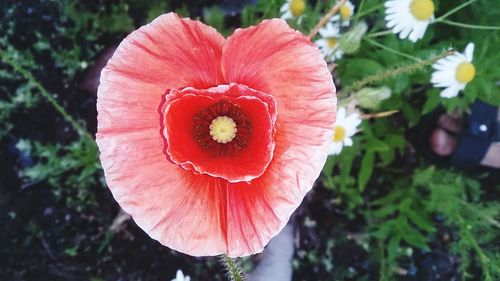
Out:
{"x": 193, "y": 144}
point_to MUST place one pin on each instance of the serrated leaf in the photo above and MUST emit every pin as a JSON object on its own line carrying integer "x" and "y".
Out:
{"x": 366, "y": 169}
{"x": 418, "y": 219}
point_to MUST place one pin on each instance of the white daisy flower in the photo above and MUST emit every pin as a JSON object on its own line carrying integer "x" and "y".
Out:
{"x": 329, "y": 42}
{"x": 345, "y": 13}
{"x": 293, "y": 9}
{"x": 454, "y": 72}
{"x": 180, "y": 276}
{"x": 409, "y": 18}
{"x": 344, "y": 129}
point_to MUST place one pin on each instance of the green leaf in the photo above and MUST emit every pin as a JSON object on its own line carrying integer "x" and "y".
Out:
{"x": 395, "y": 140}
{"x": 393, "y": 247}
{"x": 373, "y": 144}
{"x": 390, "y": 198}
{"x": 358, "y": 68}
{"x": 411, "y": 235}
{"x": 432, "y": 102}
{"x": 385, "y": 211}
{"x": 418, "y": 219}
{"x": 366, "y": 169}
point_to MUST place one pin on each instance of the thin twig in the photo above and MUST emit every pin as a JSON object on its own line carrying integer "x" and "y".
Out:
{"x": 325, "y": 19}
{"x": 379, "y": 114}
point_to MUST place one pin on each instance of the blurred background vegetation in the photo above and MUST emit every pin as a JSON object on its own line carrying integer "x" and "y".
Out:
{"x": 380, "y": 211}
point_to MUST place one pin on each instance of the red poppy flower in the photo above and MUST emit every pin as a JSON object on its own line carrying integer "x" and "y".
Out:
{"x": 211, "y": 144}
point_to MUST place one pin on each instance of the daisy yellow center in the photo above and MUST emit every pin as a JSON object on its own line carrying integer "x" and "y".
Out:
{"x": 465, "y": 72}
{"x": 223, "y": 129}
{"x": 422, "y": 9}
{"x": 331, "y": 42}
{"x": 345, "y": 12}
{"x": 297, "y": 7}
{"x": 339, "y": 133}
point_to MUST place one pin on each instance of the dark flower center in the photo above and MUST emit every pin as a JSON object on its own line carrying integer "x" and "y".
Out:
{"x": 222, "y": 129}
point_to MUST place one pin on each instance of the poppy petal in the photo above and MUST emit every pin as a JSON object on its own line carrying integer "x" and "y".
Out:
{"x": 273, "y": 58}
{"x": 180, "y": 211}
{"x": 170, "y": 52}
{"x": 183, "y": 211}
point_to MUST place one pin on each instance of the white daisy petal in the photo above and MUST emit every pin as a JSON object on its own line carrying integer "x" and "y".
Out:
{"x": 286, "y": 16}
{"x": 179, "y": 276}
{"x": 335, "y": 148}
{"x": 450, "y": 92}
{"x": 340, "y": 114}
{"x": 469, "y": 51}
{"x": 348, "y": 142}
{"x": 285, "y": 7}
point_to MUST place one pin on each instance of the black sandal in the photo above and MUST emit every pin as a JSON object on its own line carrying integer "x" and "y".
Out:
{"x": 480, "y": 131}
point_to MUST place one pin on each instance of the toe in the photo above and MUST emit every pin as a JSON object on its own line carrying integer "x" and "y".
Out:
{"x": 442, "y": 143}
{"x": 450, "y": 123}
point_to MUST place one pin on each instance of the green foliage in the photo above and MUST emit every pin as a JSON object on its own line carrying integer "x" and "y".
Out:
{"x": 214, "y": 17}
{"x": 73, "y": 170}
{"x": 403, "y": 217}
{"x": 459, "y": 199}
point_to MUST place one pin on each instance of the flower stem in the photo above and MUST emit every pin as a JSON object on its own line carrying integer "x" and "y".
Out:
{"x": 325, "y": 19}
{"x": 375, "y": 43}
{"x": 234, "y": 271}
{"x": 364, "y": 13}
{"x": 471, "y": 26}
{"x": 409, "y": 68}
{"x": 454, "y": 10}
{"x": 378, "y": 34}
{"x": 360, "y": 8}
{"x": 26, "y": 74}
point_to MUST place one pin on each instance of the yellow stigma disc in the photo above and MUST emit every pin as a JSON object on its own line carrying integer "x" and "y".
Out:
{"x": 297, "y": 7}
{"x": 331, "y": 42}
{"x": 465, "y": 72}
{"x": 345, "y": 12}
{"x": 338, "y": 134}
{"x": 223, "y": 129}
{"x": 422, "y": 9}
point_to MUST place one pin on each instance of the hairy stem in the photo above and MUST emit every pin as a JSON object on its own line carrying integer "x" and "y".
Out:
{"x": 409, "y": 68}
{"x": 26, "y": 74}
{"x": 325, "y": 19}
{"x": 234, "y": 271}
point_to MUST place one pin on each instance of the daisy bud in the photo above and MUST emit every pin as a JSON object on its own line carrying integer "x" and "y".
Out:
{"x": 370, "y": 98}
{"x": 351, "y": 40}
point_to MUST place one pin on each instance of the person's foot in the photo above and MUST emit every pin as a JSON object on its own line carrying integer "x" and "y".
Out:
{"x": 444, "y": 139}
